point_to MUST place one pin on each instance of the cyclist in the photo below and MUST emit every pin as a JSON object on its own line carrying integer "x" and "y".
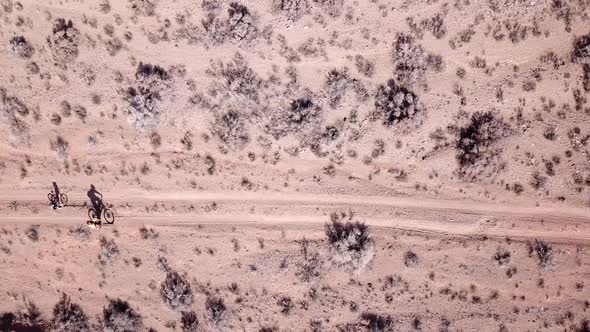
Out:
{"x": 56, "y": 202}
{"x": 95, "y": 200}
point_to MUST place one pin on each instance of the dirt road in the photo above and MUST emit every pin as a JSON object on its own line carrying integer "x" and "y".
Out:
{"x": 460, "y": 218}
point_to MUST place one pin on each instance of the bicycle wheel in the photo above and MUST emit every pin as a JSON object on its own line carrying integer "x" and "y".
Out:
{"x": 63, "y": 198}
{"x": 92, "y": 214}
{"x": 50, "y": 197}
{"x": 109, "y": 216}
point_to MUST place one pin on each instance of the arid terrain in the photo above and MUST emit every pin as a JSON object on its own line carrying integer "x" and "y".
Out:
{"x": 296, "y": 165}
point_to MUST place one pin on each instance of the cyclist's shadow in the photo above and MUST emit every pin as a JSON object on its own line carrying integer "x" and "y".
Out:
{"x": 95, "y": 200}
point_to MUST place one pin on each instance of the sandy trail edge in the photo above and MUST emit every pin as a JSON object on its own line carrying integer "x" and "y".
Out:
{"x": 520, "y": 223}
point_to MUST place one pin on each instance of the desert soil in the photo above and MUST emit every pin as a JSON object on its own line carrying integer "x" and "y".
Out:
{"x": 296, "y": 165}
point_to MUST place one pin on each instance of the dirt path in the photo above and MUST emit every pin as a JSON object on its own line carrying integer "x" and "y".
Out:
{"x": 460, "y": 218}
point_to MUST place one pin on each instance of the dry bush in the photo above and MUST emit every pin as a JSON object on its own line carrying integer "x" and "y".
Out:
{"x": 230, "y": 127}
{"x": 143, "y": 7}
{"x": 144, "y": 107}
{"x": 338, "y": 82}
{"x": 543, "y": 252}
{"x": 68, "y": 316}
{"x": 349, "y": 241}
{"x": 311, "y": 265}
{"x": 176, "y": 290}
{"x": 64, "y": 41}
{"x": 375, "y": 322}
{"x": 333, "y": 8}
{"x": 144, "y": 96}
{"x": 189, "y": 321}
{"x": 82, "y": 232}
{"x": 108, "y": 251}
{"x": 60, "y": 146}
{"x": 581, "y": 48}
{"x": 237, "y": 77}
{"x": 187, "y": 141}
{"x": 146, "y": 72}
{"x": 148, "y": 233}
{"x": 502, "y": 257}
{"x": 210, "y": 164}
{"x": 411, "y": 61}
{"x": 33, "y": 233}
{"x": 435, "y": 24}
{"x": 29, "y": 319}
{"x": 410, "y": 258}
{"x": 215, "y": 308}
{"x": 118, "y": 316}
{"x": 22, "y": 47}
{"x": 395, "y": 103}
{"x": 240, "y": 25}
{"x": 474, "y": 144}
{"x": 364, "y": 66}
{"x": 12, "y": 105}
{"x": 292, "y": 9}
{"x": 285, "y": 304}
{"x": 298, "y": 116}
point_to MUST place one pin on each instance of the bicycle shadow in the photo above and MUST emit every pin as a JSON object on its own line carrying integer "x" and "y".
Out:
{"x": 96, "y": 200}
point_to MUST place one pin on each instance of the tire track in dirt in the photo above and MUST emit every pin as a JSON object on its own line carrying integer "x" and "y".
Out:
{"x": 427, "y": 216}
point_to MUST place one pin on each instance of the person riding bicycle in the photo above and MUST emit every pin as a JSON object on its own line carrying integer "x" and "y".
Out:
{"x": 56, "y": 201}
{"x": 95, "y": 200}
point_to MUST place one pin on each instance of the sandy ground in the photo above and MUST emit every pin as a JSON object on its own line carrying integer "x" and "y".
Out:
{"x": 226, "y": 137}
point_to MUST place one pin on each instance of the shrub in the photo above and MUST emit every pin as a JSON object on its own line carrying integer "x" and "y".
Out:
{"x": 543, "y": 251}
{"x": 474, "y": 140}
{"x": 349, "y": 236}
{"x": 30, "y": 317}
{"x": 411, "y": 60}
{"x": 377, "y": 323}
{"x": 292, "y": 9}
{"x": 395, "y": 103}
{"x": 64, "y": 41}
{"x": 230, "y": 128}
{"x": 33, "y": 233}
{"x": 350, "y": 242}
{"x": 148, "y": 233}
{"x": 241, "y": 23}
{"x": 502, "y": 257}
{"x": 581, "y": 47}
{"x": 108, "y": 250}
{"x": 286, "y": 304}
{"x": 68, "y": 316}
{"x": 22, "y": 47}
{"x": 144, "y": 106}
{"x": 364, "y": 66}
{"x": 410, "y": 258}
{"x": 215, "y": 308}
{"x": 60, "y": 146}
{"x": 143, "y": 7}
{"x": 118, "y": 316}
{"x": 148, "y": 71}
{"x": 176, "y": 290}
{"x": 189, "y": 321}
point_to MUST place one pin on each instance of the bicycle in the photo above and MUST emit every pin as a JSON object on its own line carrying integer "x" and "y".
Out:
{"x": 108, "y": 215}
{"x": 63, "y": 198}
